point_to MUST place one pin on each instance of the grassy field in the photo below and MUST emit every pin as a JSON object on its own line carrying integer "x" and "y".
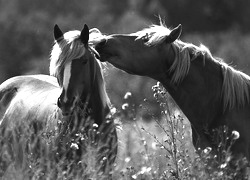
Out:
{"x": 163, "y": 148}
{"x": 159, "y": 150}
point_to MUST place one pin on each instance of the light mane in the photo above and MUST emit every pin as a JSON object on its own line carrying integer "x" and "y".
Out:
{"x": 96, "y": 37}
{"x": 69, "y": 48}
{"x": 236, "y": 84}
{"x": 235, "y": 88}
{"x": 153, "y": 35}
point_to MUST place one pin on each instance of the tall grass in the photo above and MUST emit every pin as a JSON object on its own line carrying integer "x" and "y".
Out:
{"x": 164, "y": 148}
{"x": 159, "y": 150}
{"x": 78, "y": 153}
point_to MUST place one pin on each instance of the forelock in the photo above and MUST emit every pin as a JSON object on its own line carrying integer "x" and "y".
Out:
{"x": 69, "y": 48}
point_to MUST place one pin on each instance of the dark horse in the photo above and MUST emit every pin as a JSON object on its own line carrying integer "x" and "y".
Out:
{"x": 59, "y": 118}
{"x": 208, "y": 91}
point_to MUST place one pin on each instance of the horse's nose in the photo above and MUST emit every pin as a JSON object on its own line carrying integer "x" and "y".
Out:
{"x": 66, "y": 107}
{"x": 59, "y": 103}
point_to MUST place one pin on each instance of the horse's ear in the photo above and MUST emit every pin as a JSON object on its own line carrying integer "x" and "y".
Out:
{"x": 58, "y": 34}
{"x": 85, "y": 34}
{"x": 174, "y": 34}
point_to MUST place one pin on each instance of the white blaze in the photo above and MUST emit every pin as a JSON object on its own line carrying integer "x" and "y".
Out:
{"x": 66, "y": 78}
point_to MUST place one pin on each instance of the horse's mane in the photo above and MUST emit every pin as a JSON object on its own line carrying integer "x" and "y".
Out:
{"x": 236, "y": 84}
{"x": 71, "y": 47}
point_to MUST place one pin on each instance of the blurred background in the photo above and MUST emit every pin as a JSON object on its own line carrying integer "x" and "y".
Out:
{"x": 26, "y": 34}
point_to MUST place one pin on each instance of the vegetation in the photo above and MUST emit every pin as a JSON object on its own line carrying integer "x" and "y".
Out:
{"x": 156, "y": 150}
{"x": 154, "y": 143}
{"x": 165, "y": 150}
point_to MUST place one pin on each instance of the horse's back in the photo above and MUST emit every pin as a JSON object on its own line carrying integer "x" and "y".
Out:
{"x": 24, "y": 98}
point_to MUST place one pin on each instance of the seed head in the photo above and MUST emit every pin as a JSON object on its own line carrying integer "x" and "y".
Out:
{"x": 235, "y": 135}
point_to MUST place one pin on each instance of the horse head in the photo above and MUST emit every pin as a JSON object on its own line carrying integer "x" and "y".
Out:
{"x": 73, "y": 64}
{"x": 138, "y": 53}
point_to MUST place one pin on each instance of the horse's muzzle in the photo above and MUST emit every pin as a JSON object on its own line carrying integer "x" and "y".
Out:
{"x": 66, "y": 107}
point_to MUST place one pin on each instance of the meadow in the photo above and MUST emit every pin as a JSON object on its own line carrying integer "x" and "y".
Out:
{"x": 158, "y": 150}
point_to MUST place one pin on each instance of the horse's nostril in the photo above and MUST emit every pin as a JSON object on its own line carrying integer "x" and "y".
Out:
{"x": 59, "y": 104}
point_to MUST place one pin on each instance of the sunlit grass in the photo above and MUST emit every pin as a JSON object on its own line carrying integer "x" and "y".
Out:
{"x": 163, "y": 148}
{"x": 158, "y": 150}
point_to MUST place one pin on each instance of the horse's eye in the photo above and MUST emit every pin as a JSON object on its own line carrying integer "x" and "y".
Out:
{"x": 145, "y": 38}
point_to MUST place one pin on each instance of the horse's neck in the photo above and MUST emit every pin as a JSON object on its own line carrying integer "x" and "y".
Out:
{"x": 98, "y": 102}
{"x": 199, "y": 94}
{"x": 98, "y": 109}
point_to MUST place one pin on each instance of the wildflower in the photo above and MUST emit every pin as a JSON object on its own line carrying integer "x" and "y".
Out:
{"x": 125, "y": 106}
{"x": 228, "y": 159}
{"x": 127, "y": 159}
{"x": 127, "y": 95}
{"x": 222, "y": 166}
{"x": 107, "y": 121}
{"x": 134, "y": 176}
{"x": 95, "y": 125}
{"x": 145, "y": 169}
{"x": 145, "y": 157}
{"x": 156, "y": 95}
{"x": 235, "y": 135}
{"x": 113, "y": 110}
{"x": 220, "y": 173}
{"x": 207, "y": 150}
{"x": 155, "y": 87}
{"x": 144, "y": 142}
{"x": 154, "y": 145}
{"x": 74, "y": 146}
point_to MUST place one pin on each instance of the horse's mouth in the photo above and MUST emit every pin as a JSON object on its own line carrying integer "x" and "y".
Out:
{"x": 106, "y": 57}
